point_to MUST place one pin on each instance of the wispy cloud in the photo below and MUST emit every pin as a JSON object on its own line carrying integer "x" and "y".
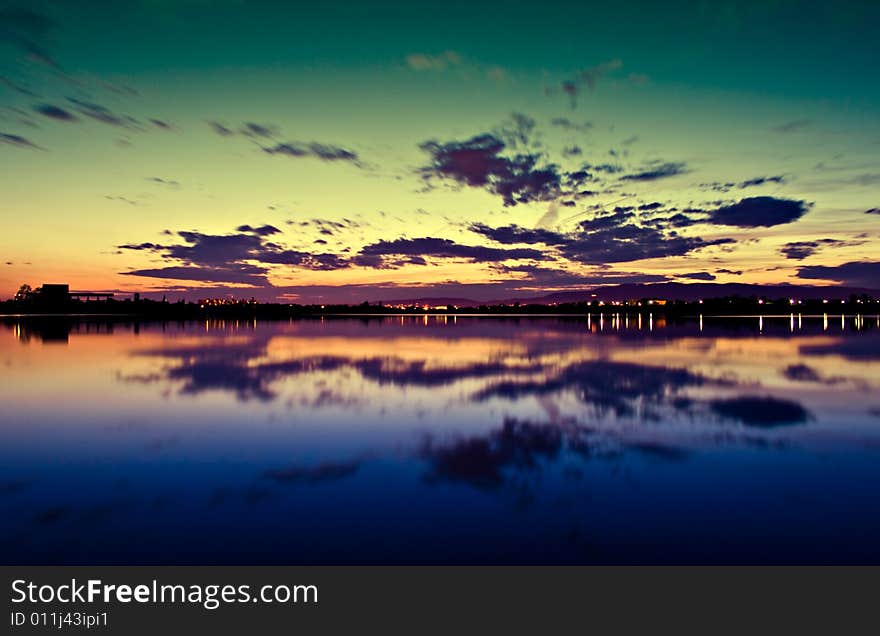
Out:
{"x": 18, "y": 141}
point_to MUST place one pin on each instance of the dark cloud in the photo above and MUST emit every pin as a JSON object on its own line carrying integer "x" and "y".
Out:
{"x": 617, "y": 237}
{"x": 606, "y": 238}
{"x": 697, "y": 276}
{"x": 622, "y": 388}
{"x": 732, "y": 272}
{"x": 104, "y": 114}
{"x": 748, "y": 183}
{"x": 321, "y": 151}
{"x": 481, "y": 461}
{"x": 478, "y": 163}
{"x": 759, "y": 212}
{"x": 445, "y": 248}
{"x": 547, "y": 277}
{"x": 120, "y": 199}
{"x": 231, "y": 258}
{"x": 853, "y": 273}
{"x": 758, "y": 181}
{"x": 567, "y": 124}
{"x": 17, "y": 87}
{"x": 517, "y": 131}
{"x": 761, "y": 411}
{"x": 864, "y": 348}
{"x": 873, "y": 211}
{"x": 586, "y": 78}
{"x": 263, "y": 230}
{"x": 171, "y": 183}
{"x": 513, "y": 234}
{"x": 19, "y": 141}
{"x": 801, "y": 373}
{"x": 27, "y": 30}
{"x": 161, "y": 124}
{"x": 55, "y": 112}
{"x": 221, "y": 129}
{"x": 805, "y": 373}
{"x": 238, "y": 274}
{"x": 668, "y": 169}
{"x": 251, "y": 129}
{"x": 792, "y": 126}
{"x": 799, "y": 250}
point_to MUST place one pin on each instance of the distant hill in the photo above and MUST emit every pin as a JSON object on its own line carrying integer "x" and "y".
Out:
{"x": 669, "y": 291}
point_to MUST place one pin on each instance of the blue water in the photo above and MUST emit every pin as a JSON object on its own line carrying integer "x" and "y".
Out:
{"x": 441, "y": 440}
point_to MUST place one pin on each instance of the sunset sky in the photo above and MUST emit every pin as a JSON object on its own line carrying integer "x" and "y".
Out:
{"x": 377, "y": 150}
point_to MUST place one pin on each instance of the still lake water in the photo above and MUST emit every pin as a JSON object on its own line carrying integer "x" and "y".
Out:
{"x": 441, "y": 440}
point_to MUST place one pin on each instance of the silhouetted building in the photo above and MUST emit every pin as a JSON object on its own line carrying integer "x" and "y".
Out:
{"x": 55, "y": 293}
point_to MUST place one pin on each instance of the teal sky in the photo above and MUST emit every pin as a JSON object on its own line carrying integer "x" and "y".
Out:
{"x": 340, "y": 152}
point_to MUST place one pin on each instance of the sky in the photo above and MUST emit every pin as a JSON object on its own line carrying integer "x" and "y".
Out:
{"x": 373, "y": 150}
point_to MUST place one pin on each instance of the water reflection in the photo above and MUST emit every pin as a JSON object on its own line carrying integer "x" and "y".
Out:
{"x": 596, "y": 439}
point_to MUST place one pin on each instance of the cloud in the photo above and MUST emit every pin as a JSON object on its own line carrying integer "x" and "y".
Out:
{"x": 325, "y": 152}
{"x": 853, "y": 273}
{"x": 165, "y": 182}
{"x": 266, "y": 131}
{"x": 759, "y": 411}
{"x": 799, "y": 250}
{"x": 120, "y": 199}
{"x": 801, "y": 373}
{"x": 622, "y": 388}
{"x": 428, "y": 62}
{"x": 513, "y": 234}
{"x": 55, "y": 112}
{"x": 18, "y": 141}
{"x": 759, "y": 212}
{"x": 547, "y": 277}
{"x": 567, "y": 124}
{"x": 617, "y": 237}
{"x": 792, "y": 126}
{"x": 804, "y": 373}
{"x": 104, "y": 114}
{"x": 517, "y": 130}
{"x": 483, "y": 461}
{"x": 221, "y": 129}
{"x": 478, "y": 162}
{"x": 758, "y": 181}
{"x": 238, "y": 274}
{"x": 606, "y": 238}
{"x": 15, "y": 86}
{"x": 28, "y": 31}
{"x": 748, "y": 183}
{"x": 697, "y": 276}
{"x": 873, "y": 211}
{"x": 585, "y": 78}
{"x": 161, "y": 124}
{"x": 445, "y": 248}
{"x": 263, "y": 230}
{"x": 732, "y": 272}
{"x": 668, "y": 169}
{"x": 242, "y": 257}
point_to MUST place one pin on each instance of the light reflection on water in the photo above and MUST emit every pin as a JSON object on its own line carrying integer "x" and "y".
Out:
{"x": 603, "y": 438}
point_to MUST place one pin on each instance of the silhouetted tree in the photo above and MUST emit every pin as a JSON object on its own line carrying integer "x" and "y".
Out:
{"x": 24, "y": 292}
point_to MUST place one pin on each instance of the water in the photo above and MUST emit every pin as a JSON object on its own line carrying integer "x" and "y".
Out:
{"x": 441, "y": 440}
